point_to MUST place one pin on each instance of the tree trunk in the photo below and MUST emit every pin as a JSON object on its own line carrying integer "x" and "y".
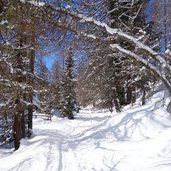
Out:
{"x": 31, "y": 81}
{"x": 143, "y": 97}
{"x": 116, "y": 101}
{"x": 30, "y": 120}
{"x": 17, "y": 131}
{"x": 133, "y": 92}
{"x": 17, "y": 126}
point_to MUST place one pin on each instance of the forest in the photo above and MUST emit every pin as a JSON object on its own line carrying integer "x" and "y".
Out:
{"x": 63, "y": 57}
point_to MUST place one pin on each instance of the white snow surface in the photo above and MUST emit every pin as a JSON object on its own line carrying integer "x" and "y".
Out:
{"x": 137, "y": 139}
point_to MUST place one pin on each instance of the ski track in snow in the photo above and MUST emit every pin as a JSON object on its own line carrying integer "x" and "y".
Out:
{"x": 138, "y": 139}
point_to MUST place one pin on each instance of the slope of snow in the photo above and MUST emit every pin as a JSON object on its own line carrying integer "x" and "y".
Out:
{"x": 137, "y": 139}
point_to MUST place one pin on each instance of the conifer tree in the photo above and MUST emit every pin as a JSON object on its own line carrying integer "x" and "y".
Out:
{"x": 67, "y": 86}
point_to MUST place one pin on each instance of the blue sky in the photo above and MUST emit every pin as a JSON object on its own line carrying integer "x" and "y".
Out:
{"x": 51, "y": 58}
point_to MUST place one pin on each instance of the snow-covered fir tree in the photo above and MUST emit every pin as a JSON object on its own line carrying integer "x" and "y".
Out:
{"x": 67, "y": 88}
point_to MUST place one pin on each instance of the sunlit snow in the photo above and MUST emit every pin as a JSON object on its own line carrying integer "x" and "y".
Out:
{"x": 137, "y": 139}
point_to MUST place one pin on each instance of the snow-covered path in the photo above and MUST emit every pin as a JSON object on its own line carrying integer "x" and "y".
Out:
{"x": 61, "y": 145}
{"x": 138, "y": 139}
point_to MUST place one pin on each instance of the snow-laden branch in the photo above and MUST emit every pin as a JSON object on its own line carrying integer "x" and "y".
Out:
{"x": 146, "y": 50}
{"x": 112, "y": 31}
{"x": 144, "y": 62}
{"x": 121, "y": 34}
{"x": 116, "y": 33}
{"x": 33, "y": 2}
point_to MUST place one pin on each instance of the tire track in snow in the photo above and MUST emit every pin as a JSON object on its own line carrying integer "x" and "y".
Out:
{"x": 54, "y": 158}
{"x": 60, "y": 165}
{"x": 58, "y": 145}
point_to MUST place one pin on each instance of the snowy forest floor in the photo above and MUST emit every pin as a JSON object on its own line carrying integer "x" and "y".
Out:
{"x": 137, "y": 139}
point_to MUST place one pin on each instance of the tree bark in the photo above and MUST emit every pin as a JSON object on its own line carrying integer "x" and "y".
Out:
{"x": 17, "y": 126}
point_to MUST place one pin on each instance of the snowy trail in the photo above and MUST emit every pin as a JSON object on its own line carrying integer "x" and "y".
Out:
{"x": 59, "y": 145}
{"x": 138, "y": 139}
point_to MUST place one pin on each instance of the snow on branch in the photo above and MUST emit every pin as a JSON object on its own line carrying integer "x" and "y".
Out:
{"x": 144, "y": 62}
{"x": 34, "y": 2}
{"x": 112, "y": 31}
{"x": 115, "y": 33}
{"x": 129, "y": 38}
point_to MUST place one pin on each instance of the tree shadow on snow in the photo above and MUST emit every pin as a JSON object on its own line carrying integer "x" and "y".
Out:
{"x": 123, "y": 130}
